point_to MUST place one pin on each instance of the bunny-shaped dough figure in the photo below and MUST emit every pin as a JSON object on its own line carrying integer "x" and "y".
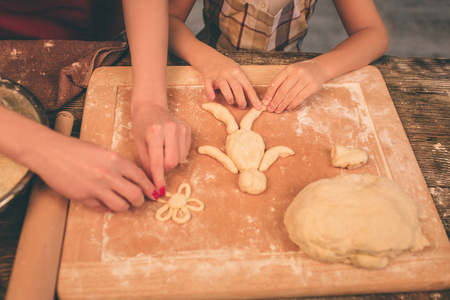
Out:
{"x": 244, "y": 149}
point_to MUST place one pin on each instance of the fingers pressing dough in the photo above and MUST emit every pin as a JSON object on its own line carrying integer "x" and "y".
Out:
{"x": 250, "y": 117}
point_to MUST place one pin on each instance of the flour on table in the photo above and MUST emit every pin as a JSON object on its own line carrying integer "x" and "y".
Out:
{"x": 359, "y": 219}
{"x": 245, "y": 149}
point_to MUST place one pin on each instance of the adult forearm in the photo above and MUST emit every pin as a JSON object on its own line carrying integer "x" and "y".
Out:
{"x": 147, "y": 32}
{"x": 24, "y": 140}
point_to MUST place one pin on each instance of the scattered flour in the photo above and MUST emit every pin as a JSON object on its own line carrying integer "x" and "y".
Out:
{"x": 49, "y": 44}
{"x": 14, "y": 53}
{"x": 440, "y": 147}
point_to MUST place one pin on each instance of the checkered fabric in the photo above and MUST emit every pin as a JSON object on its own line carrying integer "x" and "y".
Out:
{"x": 233, "y": 24}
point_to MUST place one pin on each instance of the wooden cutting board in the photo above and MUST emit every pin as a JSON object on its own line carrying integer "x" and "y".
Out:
{"x": 238, "y": 246}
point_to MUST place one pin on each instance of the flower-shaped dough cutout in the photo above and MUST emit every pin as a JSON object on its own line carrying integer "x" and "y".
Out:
{"x": 179, "y": 206}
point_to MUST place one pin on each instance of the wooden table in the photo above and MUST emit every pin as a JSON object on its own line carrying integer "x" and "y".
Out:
{"x": 420, "y": 89}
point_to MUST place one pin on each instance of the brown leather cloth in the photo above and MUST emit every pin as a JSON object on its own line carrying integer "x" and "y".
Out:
{"x": 55, "y": 71}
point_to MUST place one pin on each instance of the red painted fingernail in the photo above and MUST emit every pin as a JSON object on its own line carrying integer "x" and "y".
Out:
{"x": 162, "y": 191}
{"x": 155, "y": 195}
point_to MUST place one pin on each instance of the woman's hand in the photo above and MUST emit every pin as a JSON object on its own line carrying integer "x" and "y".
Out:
{"x": 94, "y": 176}
{"x": 98, "y": 178}
{"x": 293, "y": 85}
{"x": 162, "y": 141}
{"x": 222, "y": 73}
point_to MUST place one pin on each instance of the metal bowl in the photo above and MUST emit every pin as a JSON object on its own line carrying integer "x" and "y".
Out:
{"x": 14, "y": 96}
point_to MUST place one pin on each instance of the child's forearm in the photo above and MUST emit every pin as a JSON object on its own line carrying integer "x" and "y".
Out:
{"x": 358, "y": 50}
{"x": 185, "y": 45}
{"x": 218, "y": 71}
{"x": 367, "y": 39}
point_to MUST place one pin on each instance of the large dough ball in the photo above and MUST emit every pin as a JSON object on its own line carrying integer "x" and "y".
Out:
{"x": 353, "y": 218}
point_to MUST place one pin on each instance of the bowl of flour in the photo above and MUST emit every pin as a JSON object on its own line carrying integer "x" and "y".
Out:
{"x": 15, "y": 178}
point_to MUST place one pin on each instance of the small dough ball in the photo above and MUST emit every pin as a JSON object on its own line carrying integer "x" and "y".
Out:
{"x": 252, "y": 181}
{"x": 346, "y": 157}
{"x": 354, "y": 218}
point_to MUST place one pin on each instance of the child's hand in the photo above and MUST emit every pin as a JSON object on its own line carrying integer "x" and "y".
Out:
{"x": 221, "y": 72}
{"x": 293, "y": 85}
{"x": 162, "y": 141}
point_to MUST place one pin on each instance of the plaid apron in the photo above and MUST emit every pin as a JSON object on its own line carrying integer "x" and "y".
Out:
{"x": 232, "y": 24}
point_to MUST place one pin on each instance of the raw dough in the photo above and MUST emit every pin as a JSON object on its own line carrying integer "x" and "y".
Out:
{"x": 220, "y": 156}
{"x": 272, "y": 155}
{"x": 354, "y": 218}
{"x": 177, "y": 207}
{"x": 252, "y": 181}
{"x": 222, "y": 114}
{"x": 11, "y": 173}
{"x": 346, "y": 157}
{"x": 244, "y": 149}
